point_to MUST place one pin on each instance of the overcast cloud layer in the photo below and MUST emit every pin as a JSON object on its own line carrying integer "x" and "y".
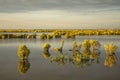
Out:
{"x": 13, "y": 6}
{"x": 59, "y": 14}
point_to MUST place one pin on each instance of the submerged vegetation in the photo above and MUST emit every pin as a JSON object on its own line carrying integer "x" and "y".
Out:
{"x": 23, "y": 52}
{"x": 46, "y": 46}
{"x": 86, "y": 44}
{"x": 110, "y": 49}
{"x": 76, "y": 48}
{"x": 89, "y": 55}
{"x": 84, "y": 58}
{"x": 95, "y": 44}
{"x": 111, "y": 58}
{"x": 78, "y": 58}
{"x": 59, "y": 49}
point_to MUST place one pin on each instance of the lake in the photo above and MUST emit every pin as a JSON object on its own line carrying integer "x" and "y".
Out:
{"x": 40, "y": 68}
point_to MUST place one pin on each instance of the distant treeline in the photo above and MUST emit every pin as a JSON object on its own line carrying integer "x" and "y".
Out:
{"x": 53, "y": 33}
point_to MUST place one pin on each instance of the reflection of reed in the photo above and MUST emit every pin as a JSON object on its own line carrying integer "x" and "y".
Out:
{"x": 86, "y": 58}
{"x": 60, "y": 59}
{"x": 110, "y": 60}
{"x": 82, "y": 59}
{"x": 79, "y": 60}
{"x": 23, "y": 66}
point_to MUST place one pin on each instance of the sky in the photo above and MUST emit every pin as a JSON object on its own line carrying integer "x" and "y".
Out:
{"x": 59, "y": 14}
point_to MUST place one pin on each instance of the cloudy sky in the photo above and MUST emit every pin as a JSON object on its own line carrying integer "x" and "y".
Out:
{"x": 68, "y": 14}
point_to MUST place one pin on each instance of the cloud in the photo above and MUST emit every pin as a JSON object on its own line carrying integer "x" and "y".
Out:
{"x": 14, "y": 6}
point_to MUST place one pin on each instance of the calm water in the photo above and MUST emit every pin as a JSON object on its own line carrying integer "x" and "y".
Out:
{"x": 42, "y": 69}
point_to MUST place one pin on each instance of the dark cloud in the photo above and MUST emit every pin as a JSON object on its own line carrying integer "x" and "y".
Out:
{"x": 8, "y": 6}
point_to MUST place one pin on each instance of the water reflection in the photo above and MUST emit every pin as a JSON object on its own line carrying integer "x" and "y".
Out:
{"x": 110, "y": 60}
{"x": 41, "y": 66}
{"x": 23, "y": 66}
{"x": 60, "y": 59}
{"x": 86, "y": 58}
{"x": 81, "y": 59}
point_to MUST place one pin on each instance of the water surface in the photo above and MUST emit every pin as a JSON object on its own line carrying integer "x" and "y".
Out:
{"x": 42, "y": 69}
